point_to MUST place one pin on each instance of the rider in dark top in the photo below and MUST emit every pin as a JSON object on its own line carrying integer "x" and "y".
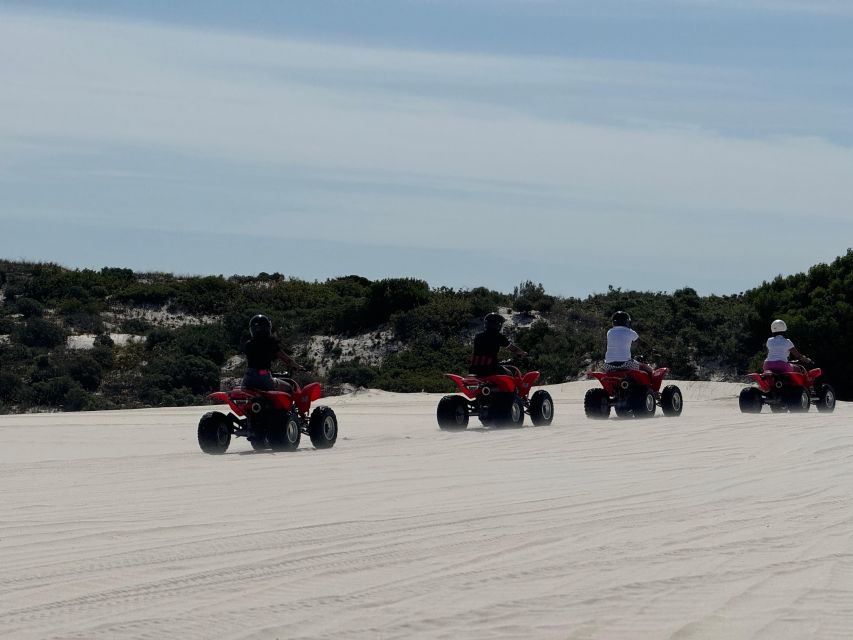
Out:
{"x": 487, "y": 344}
{"x": 261, "y": 350}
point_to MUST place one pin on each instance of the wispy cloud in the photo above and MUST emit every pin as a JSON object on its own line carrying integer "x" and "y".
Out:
{"x": 411, "y": 144}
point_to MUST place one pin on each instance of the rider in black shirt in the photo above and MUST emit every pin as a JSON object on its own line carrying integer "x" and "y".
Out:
{"x": 487, "y": 344}
{"x": 261, "y": 350}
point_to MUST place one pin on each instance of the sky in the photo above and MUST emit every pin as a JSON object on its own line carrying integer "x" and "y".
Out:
{"x": 641, "y": 144}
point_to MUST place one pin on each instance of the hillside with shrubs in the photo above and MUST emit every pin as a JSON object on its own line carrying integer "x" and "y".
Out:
{"x": 79, "y": 339}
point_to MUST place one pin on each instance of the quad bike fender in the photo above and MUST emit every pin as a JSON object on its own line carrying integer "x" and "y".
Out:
{"x": 764, "y": 382}
{"x": 815, "y": 373}
{"x": 609, "y": 383}
{"x": 467, "y": 385}
{"x": 280, "y": 399}
{"x": 658, "y": 376}
{"x": 527, "y": 381}
{"x": 308, "y": 394}
{"x": 219, "y": 396}
{"x": 501, "y": 382}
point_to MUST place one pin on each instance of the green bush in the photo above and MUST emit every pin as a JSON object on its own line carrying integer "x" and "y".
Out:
{"x": 38, "y": 332}
{"x": 352, "y": 373}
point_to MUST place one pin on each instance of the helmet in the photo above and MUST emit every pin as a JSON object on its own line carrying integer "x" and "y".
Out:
{"x": 778, "y": 326}
{"x": 494, "y": 321}
{"x": 260, "y": 326}
{"x": 621, "y": 319}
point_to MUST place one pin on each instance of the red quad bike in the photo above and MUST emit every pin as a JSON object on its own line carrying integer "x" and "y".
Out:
{"x": 632, "y": 393}
{"x": 268, "y": 419}
{"x": 792, "y": 391}
{"x": 499, "y": 400}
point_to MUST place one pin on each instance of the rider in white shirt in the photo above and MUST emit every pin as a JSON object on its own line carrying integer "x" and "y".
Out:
{"x": 779, "y": 350}
{"x": 619, "y": 340}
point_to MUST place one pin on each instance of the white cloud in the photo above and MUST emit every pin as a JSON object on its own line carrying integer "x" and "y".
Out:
{"x": 468, "y": 130}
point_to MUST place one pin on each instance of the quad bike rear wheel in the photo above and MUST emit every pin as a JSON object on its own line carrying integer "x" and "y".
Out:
{"x": 750, "y": 400}
{"x": 541, "y": 408}
{"x": 671, "y": 401}
{"x": 214, "y": 433}
{"x": 798, "y": 400}
{"x": 259, "y": 443}
{"x": 508, "y": 411}
{"x": 826, "y": 399}
{"x": 643, "y": 403}
{"x": 452, "y": 413}
{"x": 323, "y": 428}
{"x": 284, "y": 434}
{"x": 596, "y": 404}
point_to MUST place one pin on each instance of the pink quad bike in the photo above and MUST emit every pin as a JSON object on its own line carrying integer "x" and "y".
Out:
{"x": 272, "y": 420}
{"x": 632, "y": 393}
{"x": 794, "y": 391}
{"x": 497, "y": 400}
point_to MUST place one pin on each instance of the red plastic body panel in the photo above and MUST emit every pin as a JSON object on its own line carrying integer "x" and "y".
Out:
{"x": 470, "y": 386}
{"x": 767, "y": 380}
{"x": 238, "y": 399}
{"x": 611, "y": 380}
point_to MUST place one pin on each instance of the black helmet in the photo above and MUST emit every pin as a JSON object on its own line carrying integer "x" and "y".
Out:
{"x": 494, "y": 321}
{"x": 260, "y": 326}
{"x": 621, "y": 319}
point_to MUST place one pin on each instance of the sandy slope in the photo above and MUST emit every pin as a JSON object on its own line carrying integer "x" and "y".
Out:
{"x": 714, "y": 525}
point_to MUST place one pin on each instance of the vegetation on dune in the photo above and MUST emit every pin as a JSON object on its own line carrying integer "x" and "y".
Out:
{"x": 188, "y": 328}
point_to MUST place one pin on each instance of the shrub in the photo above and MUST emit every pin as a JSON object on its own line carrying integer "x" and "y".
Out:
{"x": 352, "y": 373}
{"x": 38, "y": 332}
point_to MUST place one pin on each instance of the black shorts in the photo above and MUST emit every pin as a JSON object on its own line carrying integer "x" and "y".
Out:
{"x": 255, "y": 379}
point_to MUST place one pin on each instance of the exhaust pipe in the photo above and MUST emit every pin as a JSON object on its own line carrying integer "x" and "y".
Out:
{"x": 256, "y": 407}
{"x": 778, "y": 385}
{"x": 624, "y": 384}
{"x": 486, "y": 391}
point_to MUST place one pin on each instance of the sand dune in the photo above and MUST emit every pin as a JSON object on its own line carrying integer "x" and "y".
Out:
{"x": 712, "y": 525}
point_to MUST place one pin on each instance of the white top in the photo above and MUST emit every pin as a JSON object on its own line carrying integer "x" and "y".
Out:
{"x": 619, "y": 341}
{"x": 778, "y": 348}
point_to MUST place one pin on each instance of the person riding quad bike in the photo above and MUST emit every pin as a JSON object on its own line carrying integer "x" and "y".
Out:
{"x": 261, "y": 350}
{"x": 619, "y": 340}
{"x": 780, "y": 349}
{"x": 487, "y": 344}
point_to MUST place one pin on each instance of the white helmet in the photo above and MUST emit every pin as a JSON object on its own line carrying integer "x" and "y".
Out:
{"x": 778, "y": 326}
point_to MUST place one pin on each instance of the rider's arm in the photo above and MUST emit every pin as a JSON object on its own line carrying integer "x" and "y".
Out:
{"x": 800, "y": 356}
{"x": 521, "y": 353}
{"x": 290, "y": 362}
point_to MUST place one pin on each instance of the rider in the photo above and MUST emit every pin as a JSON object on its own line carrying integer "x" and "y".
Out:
{"x": 779, "y": 348}
{"x": 619, "y": 339}
{"x": 261, "y": 350}
{"x": 487, "y": 343}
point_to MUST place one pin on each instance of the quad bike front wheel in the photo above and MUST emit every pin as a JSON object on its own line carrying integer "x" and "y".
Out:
{"x": 596, "y": 404}
{"x": 750, "y": 400}
{"x": 323, "y": 428}
{"x": 826, "y": 399}
{"x": 671, "y": 401}
{"x": 541, "y": 408}
{"x": 214, "y": 433}
{"x": 452, "y": 413}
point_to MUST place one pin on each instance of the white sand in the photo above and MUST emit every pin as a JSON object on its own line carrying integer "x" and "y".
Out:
{"x": 713, "y": 525}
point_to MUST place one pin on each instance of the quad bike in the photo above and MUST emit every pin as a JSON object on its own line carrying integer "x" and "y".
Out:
{"x": 632, "y": 393}
{"x": 268, "y": 419}
{"x": 793, "y": 391}
{"x": 498, "y": 400}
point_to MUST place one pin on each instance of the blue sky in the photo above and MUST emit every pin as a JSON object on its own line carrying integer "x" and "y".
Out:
{"x": 644, "y": 144}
